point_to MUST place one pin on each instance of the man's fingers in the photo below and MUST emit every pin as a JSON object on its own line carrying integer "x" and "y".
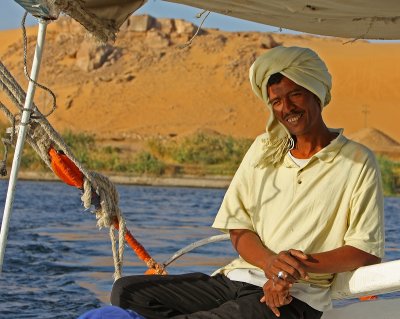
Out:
{"x": 275, "y": 311}
{"x": 298, "y": 254}
{"x": 290, "y": 273}
{"x": 288, "y": 300}
{"x": 290, "y": 265}
{"x": 281, "y": 285}
{"x": 288, "y": 278}
{"x": 274, "y": 297}
{"x": 302, "y": 256}
{"x": 271, "y": 306}
{"x": 282, "y": 300}
{"x": 277, "y": 301}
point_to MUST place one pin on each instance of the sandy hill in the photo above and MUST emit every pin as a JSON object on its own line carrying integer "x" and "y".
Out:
{"x": 374, "y": 138}
{"x": 146, "y": 84}
{"x": 377, "y": 141}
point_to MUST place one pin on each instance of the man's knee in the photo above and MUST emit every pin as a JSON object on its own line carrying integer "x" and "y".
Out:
{"x": 116, "y": 291}
{"x": 122, "y": 286}
{"x": 127, "y": 289}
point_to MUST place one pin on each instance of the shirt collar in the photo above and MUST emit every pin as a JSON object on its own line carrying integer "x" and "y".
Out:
{"x": 328, "y": 153}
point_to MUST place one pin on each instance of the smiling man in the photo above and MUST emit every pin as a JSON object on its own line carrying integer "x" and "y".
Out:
{"x": 305, "y": 203}
{"x": 299, "y": 111}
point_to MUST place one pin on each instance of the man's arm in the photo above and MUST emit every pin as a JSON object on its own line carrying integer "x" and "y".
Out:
{"x": 294, "y": 262}
{"x": 248, "y": 244}
{"x": 341, "y": 259}
{"x": 250, "y": 247}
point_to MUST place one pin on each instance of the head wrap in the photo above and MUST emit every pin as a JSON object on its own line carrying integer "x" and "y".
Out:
{"x": 304, "y": 67}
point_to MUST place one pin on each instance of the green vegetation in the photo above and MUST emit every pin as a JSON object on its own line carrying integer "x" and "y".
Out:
{"x": 147, "y": 163}
{"x": 202, "y": 153}
{"x": 390, "y": 175}
{"x": 83, "y": 146}
{"x": 199, "y": 154}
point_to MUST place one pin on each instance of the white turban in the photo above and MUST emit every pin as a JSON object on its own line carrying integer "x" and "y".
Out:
{"x": 304, "y": 67}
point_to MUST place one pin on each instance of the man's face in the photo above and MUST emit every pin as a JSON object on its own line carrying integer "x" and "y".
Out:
{"x": 295, "y": 107}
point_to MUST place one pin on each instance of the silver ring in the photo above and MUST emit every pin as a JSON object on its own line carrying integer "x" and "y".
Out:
{"x": 281, "y": 275}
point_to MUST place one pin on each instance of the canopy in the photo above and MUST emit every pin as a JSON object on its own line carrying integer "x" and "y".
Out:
{"x": 361, "y": 19}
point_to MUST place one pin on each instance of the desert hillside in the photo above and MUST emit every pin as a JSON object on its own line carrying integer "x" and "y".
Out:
{"x": 146, "y": 84}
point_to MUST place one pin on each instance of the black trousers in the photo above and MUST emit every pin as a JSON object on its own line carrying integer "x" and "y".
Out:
{"x": 199, "y": 296}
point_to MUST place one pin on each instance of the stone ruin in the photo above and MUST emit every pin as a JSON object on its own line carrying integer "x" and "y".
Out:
{"x": 91, "y": 55}
{"x": 143, "y": 23}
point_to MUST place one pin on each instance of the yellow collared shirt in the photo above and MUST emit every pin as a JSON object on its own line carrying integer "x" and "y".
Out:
{"x": 336, "y": 199}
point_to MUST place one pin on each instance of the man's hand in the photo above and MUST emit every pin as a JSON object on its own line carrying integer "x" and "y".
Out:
{"x": 275, "y": 296}
{"x": 289, "y": 265}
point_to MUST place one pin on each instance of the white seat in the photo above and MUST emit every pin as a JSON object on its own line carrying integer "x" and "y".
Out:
{"x": 369, "y": 280}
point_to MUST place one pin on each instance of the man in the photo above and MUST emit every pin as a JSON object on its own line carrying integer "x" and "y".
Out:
{"x": 305, "y": 203}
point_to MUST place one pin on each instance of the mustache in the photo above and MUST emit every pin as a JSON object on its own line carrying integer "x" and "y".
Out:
{"x": 292, "y": 113}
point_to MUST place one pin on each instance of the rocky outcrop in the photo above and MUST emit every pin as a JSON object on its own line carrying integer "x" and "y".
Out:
{"x": 139, "y": 23}
{"x": 157, "y": 40}
{"x": 91, "y": 56}
{"x": 184, "y": 27}
{"x": 165, "y": 25}
{"x": 268, "y": 42}
{"x": 143, "y": 23}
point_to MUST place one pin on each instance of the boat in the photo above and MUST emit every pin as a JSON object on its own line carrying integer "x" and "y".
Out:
{"x": 351, "y": 19}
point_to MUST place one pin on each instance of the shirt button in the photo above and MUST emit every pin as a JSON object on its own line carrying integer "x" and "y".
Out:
{"x": 298, "y": 182}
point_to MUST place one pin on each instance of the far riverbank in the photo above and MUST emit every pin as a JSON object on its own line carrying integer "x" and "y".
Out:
{"x": 181, "y": 181}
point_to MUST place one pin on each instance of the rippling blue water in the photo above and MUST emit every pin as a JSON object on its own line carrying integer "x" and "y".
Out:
{"x": 58, "y": 264}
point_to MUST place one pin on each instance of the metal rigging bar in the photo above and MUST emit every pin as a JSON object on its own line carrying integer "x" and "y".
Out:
{"x": 44, "y": 14}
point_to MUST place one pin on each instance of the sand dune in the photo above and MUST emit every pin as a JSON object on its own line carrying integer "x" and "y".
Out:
{"x": 378, "y": 141}
{"x": 149, "y": 86}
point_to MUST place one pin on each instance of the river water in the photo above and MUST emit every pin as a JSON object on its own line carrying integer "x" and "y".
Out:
{"x": 58, "y": 264}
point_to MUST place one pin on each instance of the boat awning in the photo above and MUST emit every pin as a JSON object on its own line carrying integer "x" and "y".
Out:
{"x": 361, "y": 19}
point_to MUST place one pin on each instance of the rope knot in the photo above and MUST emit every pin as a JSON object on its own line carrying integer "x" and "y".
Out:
{"x": 155, "y": 268}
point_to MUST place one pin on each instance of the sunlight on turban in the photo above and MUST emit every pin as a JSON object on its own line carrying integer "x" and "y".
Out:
{"x": 304, "y": 67}
{"x": 301, "y": 65}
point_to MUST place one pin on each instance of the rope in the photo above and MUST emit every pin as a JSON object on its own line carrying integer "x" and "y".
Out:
{"x": 106, "y": 211}
{"x": 7, "y": 142}
{"x": 42, "y": 137}
{"x": 12, "y": 88}
{"x": 98, "y": 190}
{"x": 25, "y": 45}
{"x": 154, "y": 267}
{"x": 189, "y": 42}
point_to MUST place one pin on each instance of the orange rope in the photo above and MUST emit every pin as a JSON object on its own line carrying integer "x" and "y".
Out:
{"x": 65, "y": 169}
{"x": 134, "y": 244}
{"x": 366, "y": 298}
{"x": 154, "y": 267}
{"x": 70, "y": 174}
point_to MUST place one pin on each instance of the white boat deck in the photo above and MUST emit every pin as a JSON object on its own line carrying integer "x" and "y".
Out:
{"x": 379, "y": 309}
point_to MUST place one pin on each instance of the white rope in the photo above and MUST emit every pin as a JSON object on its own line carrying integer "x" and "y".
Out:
{"x": 25, "y": 45}
{"x": 42, "y": 136}
{"x": 189, "y": 42}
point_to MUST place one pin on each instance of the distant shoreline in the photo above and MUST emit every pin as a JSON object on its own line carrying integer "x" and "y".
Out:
{"x": 181, "y": 181}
